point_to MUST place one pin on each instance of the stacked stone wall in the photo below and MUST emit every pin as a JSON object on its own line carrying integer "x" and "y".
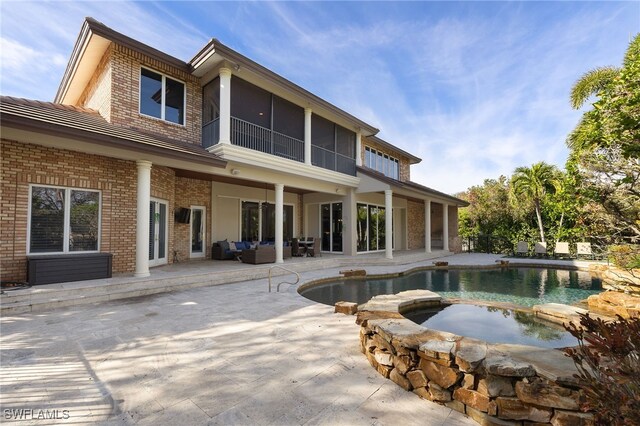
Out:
{"x": 467, "y": 375}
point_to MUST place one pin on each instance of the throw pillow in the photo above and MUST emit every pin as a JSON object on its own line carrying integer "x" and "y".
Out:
{"x": 232, "y": 246}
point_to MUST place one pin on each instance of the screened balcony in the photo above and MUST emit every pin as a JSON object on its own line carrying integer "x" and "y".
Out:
{"x": 258, "y": 138}
{"x": 264, "y": 122}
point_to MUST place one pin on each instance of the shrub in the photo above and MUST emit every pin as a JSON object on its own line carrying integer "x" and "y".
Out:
{"x": 608, "y": 363}
{"x": 625, "y": 256}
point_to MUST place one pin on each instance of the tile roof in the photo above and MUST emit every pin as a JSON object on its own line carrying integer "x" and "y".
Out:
{"x": 88, "y": 124}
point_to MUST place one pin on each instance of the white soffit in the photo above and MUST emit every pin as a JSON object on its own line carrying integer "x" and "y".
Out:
{"x": 87, "y": 63}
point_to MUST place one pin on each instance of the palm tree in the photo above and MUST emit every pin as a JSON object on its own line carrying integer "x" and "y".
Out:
{"x": 533, "y": 183}
{"x": 591, "y": 84}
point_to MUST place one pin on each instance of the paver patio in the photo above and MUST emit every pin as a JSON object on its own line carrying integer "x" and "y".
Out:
{"x": 228, "y": 354}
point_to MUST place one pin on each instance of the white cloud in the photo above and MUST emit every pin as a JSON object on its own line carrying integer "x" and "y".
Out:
{"x": 475, "y": 93}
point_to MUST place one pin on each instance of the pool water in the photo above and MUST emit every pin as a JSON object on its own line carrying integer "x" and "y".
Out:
{"x": 494, "y": 325}
{"x": 520, "y": 286}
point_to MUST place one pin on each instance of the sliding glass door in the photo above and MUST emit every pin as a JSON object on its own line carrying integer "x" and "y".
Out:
{"x": 331, "y": 226}
{"x": 158, "y": 233}
{"x": 258, "y": 221}
{"x": 371, "y": 228}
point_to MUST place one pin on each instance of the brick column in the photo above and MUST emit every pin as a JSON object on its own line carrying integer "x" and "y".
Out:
{"x": 142, "y": 218}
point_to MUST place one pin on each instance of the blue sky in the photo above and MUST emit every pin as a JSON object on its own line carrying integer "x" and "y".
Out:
{"x": 475, "y": 89}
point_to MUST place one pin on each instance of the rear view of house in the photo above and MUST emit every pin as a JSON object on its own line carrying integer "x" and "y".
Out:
{"x": 143, "y": 159}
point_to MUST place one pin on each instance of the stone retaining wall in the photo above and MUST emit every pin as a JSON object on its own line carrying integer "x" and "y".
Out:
{"x": 493, "y": 384}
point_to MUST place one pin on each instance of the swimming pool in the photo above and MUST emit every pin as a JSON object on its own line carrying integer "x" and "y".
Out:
{"x": 521, "y": 286}
{"x": 493, "y": 325}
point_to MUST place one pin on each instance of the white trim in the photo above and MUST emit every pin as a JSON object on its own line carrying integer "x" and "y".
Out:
{"x": 162, "y": 260}
{"x": 67, "y": 218}
{"x": 203, "y": 225}
{"x": 331, "y": 203}
{"x": 259, "y": 159}
{"x": 163, "y": 94}
{"x": 378, "y": 206}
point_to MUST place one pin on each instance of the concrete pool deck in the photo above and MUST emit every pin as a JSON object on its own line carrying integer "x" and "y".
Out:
{"x": 224, "y": 354}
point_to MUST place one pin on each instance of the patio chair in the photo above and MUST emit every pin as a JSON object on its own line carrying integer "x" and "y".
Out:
{"x": 296, "y": 249}
{"x": 561, "y": 249}
{"x": 522, "y": 248}
{"x": 541, "y": 248}
{"x": 315, "y": 248}
{"x": 584, "y": 249}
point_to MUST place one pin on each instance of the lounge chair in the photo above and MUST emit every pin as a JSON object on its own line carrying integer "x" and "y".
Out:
{"x": 561, "y": 249}
{"x": 522, "y": 248}
{"x": 584, "y": 249}
{"x": 541, "y": 248}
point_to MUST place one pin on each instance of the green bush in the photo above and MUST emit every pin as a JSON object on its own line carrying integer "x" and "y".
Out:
{"x": 625, "y": 256}
{"x": 608, "y": 361}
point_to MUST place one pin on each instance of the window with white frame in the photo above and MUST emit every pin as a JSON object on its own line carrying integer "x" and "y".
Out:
{"x": 162, "y": 97}
{"x": 63, "y": 220}
{"x": 381, "y": 162}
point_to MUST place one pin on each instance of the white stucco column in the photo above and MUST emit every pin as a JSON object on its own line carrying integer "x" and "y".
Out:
{"x": 225, "y": 106}
{"x": 427, "y": 226}
{"x": 349, "y": 223}
{"x": 279, "y": 219}
{"x": 445, "y": 227}
{"x": 307, "y": 136}
{"x": 358, "y": 148}
{"x": 142, "y": 218}
{"x": 388, "y": 224}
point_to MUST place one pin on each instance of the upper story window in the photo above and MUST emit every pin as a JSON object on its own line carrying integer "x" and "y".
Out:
{"x": 63, "y": 220}
{"x": 162, "y": 97}
{"x": 381, "y": 162}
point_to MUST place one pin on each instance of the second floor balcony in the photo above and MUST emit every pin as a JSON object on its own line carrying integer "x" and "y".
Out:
{"x": 258, "y": 138}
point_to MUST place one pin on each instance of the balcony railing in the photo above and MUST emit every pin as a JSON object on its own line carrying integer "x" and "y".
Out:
{"x": 330, "y": 160}
{"x": 258, "y": 138}
{"x": 211, "y": 133}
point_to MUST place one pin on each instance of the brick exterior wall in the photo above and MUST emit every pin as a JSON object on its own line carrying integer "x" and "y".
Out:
{"x": 125, "y": 96}
{"x": 97, "y": 94}
{"x": 415, "y": 223}
{"x": 455, "y": 243}
{"x": 25, "y": 164}
{"x": 403, "y": 162}
{"x": 191, "y": 192}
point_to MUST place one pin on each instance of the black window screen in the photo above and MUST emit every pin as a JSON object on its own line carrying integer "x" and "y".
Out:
{"x": 211, "y": 101}
{"x": 345, "y": 142}
{"x": 322, "y": 133}
{"x": 250, "y": 103}
{"x": 288, "y": 118}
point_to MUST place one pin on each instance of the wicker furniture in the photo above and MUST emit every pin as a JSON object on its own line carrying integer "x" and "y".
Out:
{"x": 220, "y": 251}
{"x": 260, "y": 255}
